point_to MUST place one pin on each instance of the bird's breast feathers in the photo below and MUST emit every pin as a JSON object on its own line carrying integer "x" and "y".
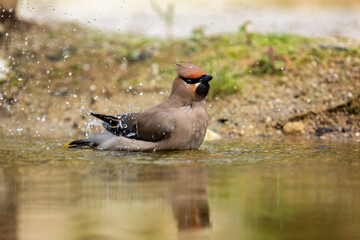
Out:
{"x": 191, "y": 125}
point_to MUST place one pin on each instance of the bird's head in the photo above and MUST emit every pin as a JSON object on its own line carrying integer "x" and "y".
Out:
{"x": 192, "y": 83}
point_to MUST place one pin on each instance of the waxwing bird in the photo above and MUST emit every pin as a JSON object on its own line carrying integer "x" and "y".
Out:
{"x": 180, "y": 122}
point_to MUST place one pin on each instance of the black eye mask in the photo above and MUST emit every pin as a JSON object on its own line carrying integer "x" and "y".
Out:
{"x": 203, "y": 78}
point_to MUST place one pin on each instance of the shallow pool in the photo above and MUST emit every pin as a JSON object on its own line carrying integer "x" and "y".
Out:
{"x": 244, "y": 189}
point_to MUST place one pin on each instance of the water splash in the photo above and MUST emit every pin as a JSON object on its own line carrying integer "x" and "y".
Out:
{"x": 89, "y": 125}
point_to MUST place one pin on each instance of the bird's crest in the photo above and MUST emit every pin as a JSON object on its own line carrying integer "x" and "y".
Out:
{"x": 189, "y": 70}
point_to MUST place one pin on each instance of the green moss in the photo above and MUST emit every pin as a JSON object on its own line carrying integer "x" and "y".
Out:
{"x": 57, "y": 73}
{"x": 75, "y": 67}
{"x": 14, "y": 80}
{"x": 265, "y": 66}
{"x": 354, "y": 106}
{"x": 227, "y": 80}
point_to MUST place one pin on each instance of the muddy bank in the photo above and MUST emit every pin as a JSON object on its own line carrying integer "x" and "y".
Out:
{"x": 264, "y": 85}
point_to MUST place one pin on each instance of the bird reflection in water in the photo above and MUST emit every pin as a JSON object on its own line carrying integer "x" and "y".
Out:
{"x": 190, "y": 205}
{"x": 129, "y": 198}
{"x": 8, "y": 203}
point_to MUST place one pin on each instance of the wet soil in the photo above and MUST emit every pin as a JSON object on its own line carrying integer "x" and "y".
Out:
{"x": 58, "y": 74}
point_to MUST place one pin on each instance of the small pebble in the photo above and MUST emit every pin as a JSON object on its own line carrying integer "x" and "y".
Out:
{"x": 322, "y": 147}
{"x": 92, "y": 88}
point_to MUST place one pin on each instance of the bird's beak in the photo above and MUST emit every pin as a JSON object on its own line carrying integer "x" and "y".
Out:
{"x": 206, "y": 78}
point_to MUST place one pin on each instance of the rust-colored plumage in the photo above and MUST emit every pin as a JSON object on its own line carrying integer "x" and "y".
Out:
{"x": 189, "y": 70}
{"x": 178, "y": 123}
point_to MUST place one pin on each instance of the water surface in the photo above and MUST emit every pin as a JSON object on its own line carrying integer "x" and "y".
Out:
{"x": 255, "y": 189}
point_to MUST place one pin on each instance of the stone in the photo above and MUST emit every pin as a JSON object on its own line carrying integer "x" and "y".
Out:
{"x": 293, "y": 128}
{"x": 211, "y": 135}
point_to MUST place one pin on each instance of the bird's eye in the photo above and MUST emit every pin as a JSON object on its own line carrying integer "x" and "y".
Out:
{"x": 191, "y": 80}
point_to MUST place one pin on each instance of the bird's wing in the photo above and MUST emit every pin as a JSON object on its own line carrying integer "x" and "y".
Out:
{"x": 112, "y": 120}
{"x": 155, "y": 124}
{"x": 121, "y": 125}
{"x": 152, "y": 125}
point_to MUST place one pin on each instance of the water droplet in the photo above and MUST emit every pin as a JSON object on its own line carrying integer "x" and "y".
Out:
{"x": 19, "y": 130}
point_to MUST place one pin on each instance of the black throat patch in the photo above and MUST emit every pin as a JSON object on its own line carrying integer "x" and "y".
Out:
{"x": 203, "y": 89}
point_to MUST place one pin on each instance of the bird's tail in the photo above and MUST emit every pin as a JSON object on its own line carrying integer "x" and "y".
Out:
{"x": 91, "y": 142}
{"x": 81, "y": 143}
